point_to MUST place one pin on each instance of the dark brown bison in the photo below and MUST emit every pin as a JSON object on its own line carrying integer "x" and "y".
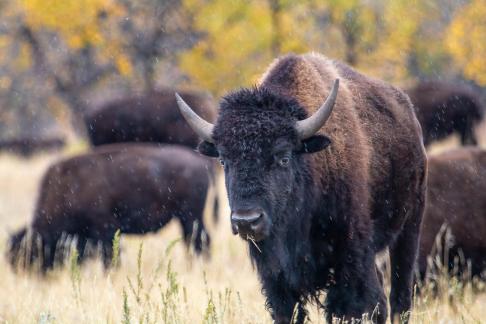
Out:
{"x": 152, "y": 117}
{"x": 27, "y": 146}
{"x": 134, "y": 188}
{"x": 456, "y": 196}
{"x": 318, "y": 194}
{"x": 443, "y": 109}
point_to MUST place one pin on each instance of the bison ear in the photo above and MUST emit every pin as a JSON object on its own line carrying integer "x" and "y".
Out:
{"x": 208, "y": 149}
{"x": 314, "y": 144}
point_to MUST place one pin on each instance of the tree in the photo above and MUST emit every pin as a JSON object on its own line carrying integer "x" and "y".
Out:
{"x": 67, "y": 55}
{"x": 390, "y": 40}
{"x": 466, "y": 40}
{"x": 62, "y": 53}
{"x": 153, "y": 31}
{"x": 238, "y": 39}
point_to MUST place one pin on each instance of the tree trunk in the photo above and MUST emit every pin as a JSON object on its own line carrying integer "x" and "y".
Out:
{"x": 275, "y": 11}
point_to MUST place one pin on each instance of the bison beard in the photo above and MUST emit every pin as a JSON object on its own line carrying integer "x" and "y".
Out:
{"x": 318, "y": 205}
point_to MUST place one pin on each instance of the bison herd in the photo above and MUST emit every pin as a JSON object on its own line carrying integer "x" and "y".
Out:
{"x": 324, "y": 168}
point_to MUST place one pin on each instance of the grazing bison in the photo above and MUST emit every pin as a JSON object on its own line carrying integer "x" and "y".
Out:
{"x": 318, "y": 194}
{"x": 136, "y": 188}
{"x": 27, "y": 146}
{"x": 456, "y": 196}
{"x": 443, "y": 109}
{"x": 152, "y": 117}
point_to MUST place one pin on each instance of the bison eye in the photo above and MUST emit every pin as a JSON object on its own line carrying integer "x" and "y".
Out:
{"x": 221, "y": 161}
{"x": 284, "y": 161}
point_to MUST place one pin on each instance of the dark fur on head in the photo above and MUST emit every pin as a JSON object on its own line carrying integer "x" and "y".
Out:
{"x": 265, "y": 116}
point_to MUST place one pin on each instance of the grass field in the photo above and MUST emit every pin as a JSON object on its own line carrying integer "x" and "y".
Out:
{"x": 159, "y": 284}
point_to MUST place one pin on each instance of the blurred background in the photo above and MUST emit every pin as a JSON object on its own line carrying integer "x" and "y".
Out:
{"x": 59, "y": 59}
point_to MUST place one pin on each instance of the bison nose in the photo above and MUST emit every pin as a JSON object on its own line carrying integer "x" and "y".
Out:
{"x": 248, "y": 222}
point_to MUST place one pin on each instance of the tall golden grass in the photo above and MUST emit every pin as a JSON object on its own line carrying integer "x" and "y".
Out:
{"x": 157, "y": 280}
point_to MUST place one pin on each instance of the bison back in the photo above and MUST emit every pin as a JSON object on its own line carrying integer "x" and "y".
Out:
{"x": 152, "y": 117}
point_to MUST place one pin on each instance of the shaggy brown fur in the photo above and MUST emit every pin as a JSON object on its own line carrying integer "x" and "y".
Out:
{"x": 136, "y": 188}
{"x": 329, "y": 212}
{"x": 152, "y": 117}
{"x": 456, "y": 196}
{"x": 446, "y": 108}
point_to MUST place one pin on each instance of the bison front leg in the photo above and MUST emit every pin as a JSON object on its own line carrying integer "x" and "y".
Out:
{"x": 357, "y": 292}
{"x": 281, "y": 303}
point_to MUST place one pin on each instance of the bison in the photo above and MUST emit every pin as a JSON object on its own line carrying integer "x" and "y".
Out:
{"x": 443, "y": 109}
{"x": 28, "y": 146}
{"x": 456, "y": 196}
{"x": 319, "y": 181}
{"x": 134, "y": 188}
{"x": 152, "y": 117}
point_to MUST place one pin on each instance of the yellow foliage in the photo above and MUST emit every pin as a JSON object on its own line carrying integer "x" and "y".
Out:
{"x": 75, "y": 20}
{"x": 23, "y": 60}
{"x": 123, "y": 64}
{"x": 238, "y": 36}
{"x": 466, "y": 40}
{"x": 238, "y": 40}
{"x": 402, "y": 20}
{"x": 79, "y": 23}
{"x": 5, "y": 82}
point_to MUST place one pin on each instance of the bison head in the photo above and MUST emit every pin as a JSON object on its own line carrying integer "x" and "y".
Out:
{"x": 260, "y": 138}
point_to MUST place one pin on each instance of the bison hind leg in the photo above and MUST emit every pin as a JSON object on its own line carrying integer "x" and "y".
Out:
{"x": 104, "y": 239}
{"x": 403, "y": 256}
{"x": 466, "y": 130}
{"x": 109, "y": 255}
{"x": 195, "y": 234}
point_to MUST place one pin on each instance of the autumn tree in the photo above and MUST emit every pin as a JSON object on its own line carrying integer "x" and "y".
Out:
{"x": 466, "y": 40}
{"x": 396, "y": 40}
{"x": 239, "y": 38}
{"x": 70, "y": 48}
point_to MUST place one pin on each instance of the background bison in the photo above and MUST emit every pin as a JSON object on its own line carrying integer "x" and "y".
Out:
{"x": 456, "y": 196}
{"x": 136, "y": 188}
{"x": 316, "y": 194}
{"x": 27, "y": 146}
{"x": 446, "y": 108}
{"x": 152, "y": 117}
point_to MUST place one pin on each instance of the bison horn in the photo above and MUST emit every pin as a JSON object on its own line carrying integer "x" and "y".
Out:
{"x": 309, "y": 126}
{"x": 202, "y": 128}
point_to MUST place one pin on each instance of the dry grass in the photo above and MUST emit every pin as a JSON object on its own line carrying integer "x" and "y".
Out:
{"x": 157, "y": 283}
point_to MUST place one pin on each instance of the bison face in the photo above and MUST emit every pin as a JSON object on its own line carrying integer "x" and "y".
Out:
{"x": 264, "y": 182}
{"x": 263, "y": 156}
{"x": 260, "y": 139}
